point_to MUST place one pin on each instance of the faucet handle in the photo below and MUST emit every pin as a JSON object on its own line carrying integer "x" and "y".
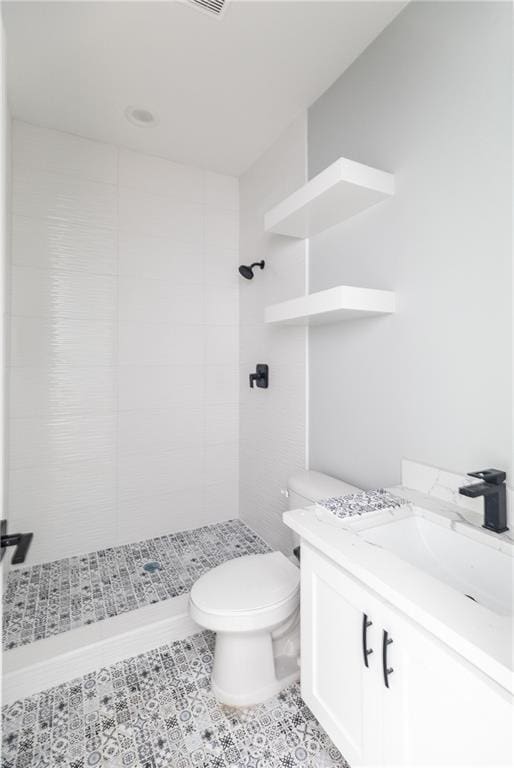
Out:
{"x": 492, "y": 476}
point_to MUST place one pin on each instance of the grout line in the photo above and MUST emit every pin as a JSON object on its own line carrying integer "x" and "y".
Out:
{"x": 307, "y": 333}
{"x": 307, "y": 362}
{"x": 116, "y": 358}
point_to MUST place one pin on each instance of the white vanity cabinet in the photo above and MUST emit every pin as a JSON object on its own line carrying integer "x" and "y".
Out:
{"x": 437, "y": 710}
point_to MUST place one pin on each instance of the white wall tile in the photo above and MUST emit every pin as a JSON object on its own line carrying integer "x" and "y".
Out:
{"x": 145, "y": 386}
{"x": 62, "y": 244}
{"x": 149, "y": 300}
{"x": 155, "y": 257}
{"x": 221, "y": 462}
{"x": 221, "y": 344}
{"x": 46, "y": 491}
{"x": 221, "y": 230}
{"x": 36, "y": 147}
{"x": 40, "y": 441}
{"x": 221, "y": 501}
{"x": 59, "y": 293}
{"x": 149, "y": 431}
{"x": 50, "y": 391}
{"x": 221, "y": 192}
{"x": 221, "y": 384}
{"x": 160, "y": 177}
{"x": 149, "y": 214}
{"x": 67, "y": 531}
{"x": 161, "y": 514}
{"x": 221, "y": 267}
{"x": 42, "y": 195}
{"x": 277, "y": 344}
{"x": 124, "y": 375}
{"x": 159, "y": 472}
{"x": 63, "y": 341}
{"x": 272, "y": 422}
{"x": 154, "y": 343}
{"x": 221, "y": 305}
{"x": 221, "y": 424}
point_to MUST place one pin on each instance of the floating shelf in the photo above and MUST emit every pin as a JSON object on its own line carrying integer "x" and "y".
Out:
{"x": 339, "y": 192}
{"x": 344, "y": 302}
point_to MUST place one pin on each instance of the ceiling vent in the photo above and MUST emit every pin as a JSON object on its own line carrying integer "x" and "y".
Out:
{"x": 215, "y": 8}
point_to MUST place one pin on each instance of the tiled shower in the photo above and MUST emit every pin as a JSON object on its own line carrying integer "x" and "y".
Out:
{"x": 123, "y": 369}
{"x": 123, "y": 397}
{"x": 130, "y": 338}
{"x": 127, "y": 396}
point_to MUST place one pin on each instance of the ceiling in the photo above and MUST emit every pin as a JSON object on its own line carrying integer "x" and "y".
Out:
{"x": 222, "y": 89}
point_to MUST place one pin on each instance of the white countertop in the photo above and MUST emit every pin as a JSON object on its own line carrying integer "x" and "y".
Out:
{"x": 481, "y": 636}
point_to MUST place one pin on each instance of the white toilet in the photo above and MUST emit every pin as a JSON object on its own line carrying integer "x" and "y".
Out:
{"x": 253, "y": 605}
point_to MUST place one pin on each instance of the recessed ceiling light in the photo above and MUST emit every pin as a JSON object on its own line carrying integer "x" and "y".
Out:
{"x": 143, "y": 118}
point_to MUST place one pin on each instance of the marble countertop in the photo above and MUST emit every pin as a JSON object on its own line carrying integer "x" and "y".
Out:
{"x": 482, "y": 636}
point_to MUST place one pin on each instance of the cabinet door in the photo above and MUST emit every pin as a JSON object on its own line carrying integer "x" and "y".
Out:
{"x": 337, "y": 686}
{"x": 439, "y": 710}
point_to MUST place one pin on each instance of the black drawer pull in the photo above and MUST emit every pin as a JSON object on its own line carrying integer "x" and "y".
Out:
{"x": 386, "y": 640}
{"x": 365, "y": 650}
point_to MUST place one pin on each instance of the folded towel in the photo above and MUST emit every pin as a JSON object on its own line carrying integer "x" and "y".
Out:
{"x": 360, "y": 503}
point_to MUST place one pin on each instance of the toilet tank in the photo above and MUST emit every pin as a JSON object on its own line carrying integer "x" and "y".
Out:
{"x": 306, "y": 488}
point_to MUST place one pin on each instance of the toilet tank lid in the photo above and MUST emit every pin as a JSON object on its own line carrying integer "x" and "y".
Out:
{"x": 315, "y": 486}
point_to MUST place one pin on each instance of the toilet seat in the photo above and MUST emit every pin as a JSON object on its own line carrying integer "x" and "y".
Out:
{"x": 246, "y": 594}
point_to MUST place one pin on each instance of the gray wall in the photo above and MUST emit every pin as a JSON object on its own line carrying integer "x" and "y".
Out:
{"x": 429, "y": 100}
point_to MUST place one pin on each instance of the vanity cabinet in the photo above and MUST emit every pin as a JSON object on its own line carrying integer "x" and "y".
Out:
{"x": 386, "y": 691}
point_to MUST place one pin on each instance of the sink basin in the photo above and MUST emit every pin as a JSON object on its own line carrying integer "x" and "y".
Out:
{"x": 476, "y": 569}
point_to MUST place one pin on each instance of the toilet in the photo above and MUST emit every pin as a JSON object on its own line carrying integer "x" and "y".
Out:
{"x": 252, "y": 603}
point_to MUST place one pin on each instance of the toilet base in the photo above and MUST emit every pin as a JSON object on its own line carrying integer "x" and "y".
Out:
{"x": 257, "y": 696}
{"x": 246, "y": 670}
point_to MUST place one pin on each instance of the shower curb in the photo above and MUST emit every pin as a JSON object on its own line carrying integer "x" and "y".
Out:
{"x": 51, "y": 661}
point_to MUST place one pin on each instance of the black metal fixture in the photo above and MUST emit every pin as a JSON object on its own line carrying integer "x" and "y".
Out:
{"x": 261, "y": 376}
{"x": 493, "y": 490}
{"x": 386, "y": 640}
{"x": 247, "y": 272}
{"x": 366, "y": 624}
{"x": 19, "y": 540}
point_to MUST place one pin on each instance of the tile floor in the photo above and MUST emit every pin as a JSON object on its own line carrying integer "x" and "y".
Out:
{"x": 54, "y": 597}
{"x": 157, "y": 711}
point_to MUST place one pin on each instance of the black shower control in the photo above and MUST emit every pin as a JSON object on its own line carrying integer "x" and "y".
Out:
{"x": 247, "y": 272}
{"x": 261, "y": 376}
{"x": 19, "y": 540}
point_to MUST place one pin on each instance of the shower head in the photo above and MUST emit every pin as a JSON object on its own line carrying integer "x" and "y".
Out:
{"x": 247, "y": 272}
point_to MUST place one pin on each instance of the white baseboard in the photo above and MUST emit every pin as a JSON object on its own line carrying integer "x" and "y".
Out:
{"x": 55, "y": 660}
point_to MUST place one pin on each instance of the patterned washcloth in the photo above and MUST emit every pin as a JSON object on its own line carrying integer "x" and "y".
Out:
{"x": 360, "y": 503}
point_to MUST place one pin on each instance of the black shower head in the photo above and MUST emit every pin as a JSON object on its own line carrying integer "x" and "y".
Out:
{"x": 247, "y": 272}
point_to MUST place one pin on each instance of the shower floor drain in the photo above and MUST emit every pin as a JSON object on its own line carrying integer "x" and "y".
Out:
{"x": 151, "y": 567}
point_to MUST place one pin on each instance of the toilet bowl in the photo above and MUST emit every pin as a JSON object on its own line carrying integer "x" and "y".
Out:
{"x": 252, "y": 603}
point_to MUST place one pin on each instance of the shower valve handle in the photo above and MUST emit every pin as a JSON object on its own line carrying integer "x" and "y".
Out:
{"x": 261, "y": 376}
{"x": 21, "y": 541}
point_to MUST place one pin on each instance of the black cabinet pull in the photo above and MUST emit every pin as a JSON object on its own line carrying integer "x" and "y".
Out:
{"x": 386, "y": 640}
{"x": 365, "y": 650}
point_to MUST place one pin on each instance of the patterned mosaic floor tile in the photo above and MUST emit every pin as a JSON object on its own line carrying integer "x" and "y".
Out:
{"x": 157, "y": 711}
{"x": 51, "y": 598}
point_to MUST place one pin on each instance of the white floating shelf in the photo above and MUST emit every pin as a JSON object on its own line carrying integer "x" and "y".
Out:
{"x": 344, "y": 302}
{"x": 339, "y": 192}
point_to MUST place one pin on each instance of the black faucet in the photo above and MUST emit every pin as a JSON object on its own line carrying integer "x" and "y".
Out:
{"x": 493, "y": 491}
